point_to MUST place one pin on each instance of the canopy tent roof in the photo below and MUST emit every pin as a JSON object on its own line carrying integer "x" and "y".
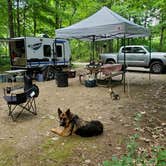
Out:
{"x": 102, "y": 25}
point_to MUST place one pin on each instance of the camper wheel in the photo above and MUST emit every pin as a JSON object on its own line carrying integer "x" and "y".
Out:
{"x": 49, "y": 74}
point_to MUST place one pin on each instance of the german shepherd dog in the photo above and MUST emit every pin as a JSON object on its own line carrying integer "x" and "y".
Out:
{"x": 71, "y": 123}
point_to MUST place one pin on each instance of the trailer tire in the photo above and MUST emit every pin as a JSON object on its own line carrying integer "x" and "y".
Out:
{"x": 49, "y": 74}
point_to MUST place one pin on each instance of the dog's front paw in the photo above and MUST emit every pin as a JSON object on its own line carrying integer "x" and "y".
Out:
{"x": 57, "y": 130}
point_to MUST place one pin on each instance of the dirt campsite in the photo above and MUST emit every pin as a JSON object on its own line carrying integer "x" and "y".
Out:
{"x": 140, "y": 114}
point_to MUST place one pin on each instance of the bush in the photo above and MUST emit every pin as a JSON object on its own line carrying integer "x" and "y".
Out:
{"x": 4, "y": 63}
{"x": 135, "y": 157}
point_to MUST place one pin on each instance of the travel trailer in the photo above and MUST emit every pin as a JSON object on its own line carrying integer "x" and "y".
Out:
{"x": 39, "y": 55}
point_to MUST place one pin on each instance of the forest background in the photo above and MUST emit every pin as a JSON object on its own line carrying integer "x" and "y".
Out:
{"x": 36, "y": 17}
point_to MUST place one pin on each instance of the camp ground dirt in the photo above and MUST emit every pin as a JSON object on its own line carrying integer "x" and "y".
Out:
{"x": 29, "y": 142}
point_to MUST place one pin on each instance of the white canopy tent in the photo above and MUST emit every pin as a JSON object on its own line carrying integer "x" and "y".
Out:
{"x": 102, "y": 25}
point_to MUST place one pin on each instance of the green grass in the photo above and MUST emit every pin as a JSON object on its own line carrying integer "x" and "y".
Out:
{"x": 134, "y": 156}
{"x": 158, "y": 156}
{"x": 6, "y": 155}
{"x": 58, "y": 151}
{"x": 4, "y": 64}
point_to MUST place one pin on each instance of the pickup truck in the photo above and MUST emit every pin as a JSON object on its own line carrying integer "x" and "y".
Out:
{"x": 137, "y": 56}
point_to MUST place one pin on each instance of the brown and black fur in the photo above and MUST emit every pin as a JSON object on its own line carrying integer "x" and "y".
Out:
{"x": 113, "y": 95}
{"x": 71, "y": 123}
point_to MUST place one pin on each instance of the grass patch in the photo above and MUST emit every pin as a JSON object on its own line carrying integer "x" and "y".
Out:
{"x": 58, "y": 151}
{"x": 6, "y": 155}
{"x": 136, "y": 157}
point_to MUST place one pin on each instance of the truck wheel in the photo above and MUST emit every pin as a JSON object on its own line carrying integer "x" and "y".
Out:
{"x": 156, "y": 67}
{"x": 110, "y": 62}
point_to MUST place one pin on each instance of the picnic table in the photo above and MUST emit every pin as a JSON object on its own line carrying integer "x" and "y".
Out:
{"x": 102, "y": 72}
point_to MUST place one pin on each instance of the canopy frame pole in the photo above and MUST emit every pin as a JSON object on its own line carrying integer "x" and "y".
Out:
{"x": 150, "y": 50}
{"x": 124, "y": 67}
{"x": 93, "y": 47}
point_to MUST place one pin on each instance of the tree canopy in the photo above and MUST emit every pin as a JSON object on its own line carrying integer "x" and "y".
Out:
{"x": 34, "y": 17}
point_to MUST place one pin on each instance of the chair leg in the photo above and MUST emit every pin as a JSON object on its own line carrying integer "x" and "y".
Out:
{"x": 11, "y": 110}
{"x": 32, "y": 106}
{"x": 29, "y": 106}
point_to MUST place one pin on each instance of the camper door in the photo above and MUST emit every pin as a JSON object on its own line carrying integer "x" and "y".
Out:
{"x": 59, "y": 55}
{"x": 17, "y": 52}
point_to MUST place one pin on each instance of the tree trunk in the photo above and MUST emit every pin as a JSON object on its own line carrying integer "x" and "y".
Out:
{"x": 18, "y": 19}
{"x": 161, "y": 37}
{"x": 57, "y": 20}
{"x": 24, "y": 21}
{"x": 34, "y": 25}
{"x": 10, "y": 19}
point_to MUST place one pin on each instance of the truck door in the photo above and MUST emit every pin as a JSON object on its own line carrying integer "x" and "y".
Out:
{"x": 128, "y": 52}
{"x": 138, "y": 57}
{"x": 135, "y": 56}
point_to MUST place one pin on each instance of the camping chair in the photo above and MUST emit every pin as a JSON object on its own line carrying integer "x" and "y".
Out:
{"x": 25, "y": 100}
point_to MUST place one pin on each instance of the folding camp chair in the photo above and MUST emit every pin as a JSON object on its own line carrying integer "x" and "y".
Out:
{"x": 25, "y": 101}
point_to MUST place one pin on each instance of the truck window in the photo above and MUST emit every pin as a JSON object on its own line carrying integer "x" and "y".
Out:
{"x": 47, "y": 50}
{"x": 127, "y": 50}
{"x": 138, "y": 50}
{"x": 59, "y": 51}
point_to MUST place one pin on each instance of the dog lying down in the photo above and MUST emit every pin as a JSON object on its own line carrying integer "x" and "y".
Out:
{"x": 71, "y": 123}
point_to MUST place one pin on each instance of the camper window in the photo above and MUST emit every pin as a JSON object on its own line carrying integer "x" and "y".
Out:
{"x": 59, "y": 51}
{"x": 47, "y": 50}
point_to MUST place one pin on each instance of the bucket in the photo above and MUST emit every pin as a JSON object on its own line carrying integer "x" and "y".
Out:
{"x": 3, "y": 78}
{"x": 90, "y": 83}
{"x": 62, "y": 79}
{"x": 19, "y": 78}
{"x": 40, "y": 77}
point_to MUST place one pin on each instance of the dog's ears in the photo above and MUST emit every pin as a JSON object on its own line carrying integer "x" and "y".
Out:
{"x": 59, "y": 111}
{"x": 68, "y": 112}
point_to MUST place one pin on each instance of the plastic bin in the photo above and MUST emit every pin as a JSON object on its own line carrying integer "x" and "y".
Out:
{"x": 39, "y": 77}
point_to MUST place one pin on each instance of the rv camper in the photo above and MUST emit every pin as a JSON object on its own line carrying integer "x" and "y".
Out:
{"x": 39, "y": 55}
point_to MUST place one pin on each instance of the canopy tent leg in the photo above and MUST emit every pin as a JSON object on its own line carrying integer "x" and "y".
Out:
{"x": 150, "y": 50}
{"x": 124, "y": 67}
{"x": 93, "y": 48}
